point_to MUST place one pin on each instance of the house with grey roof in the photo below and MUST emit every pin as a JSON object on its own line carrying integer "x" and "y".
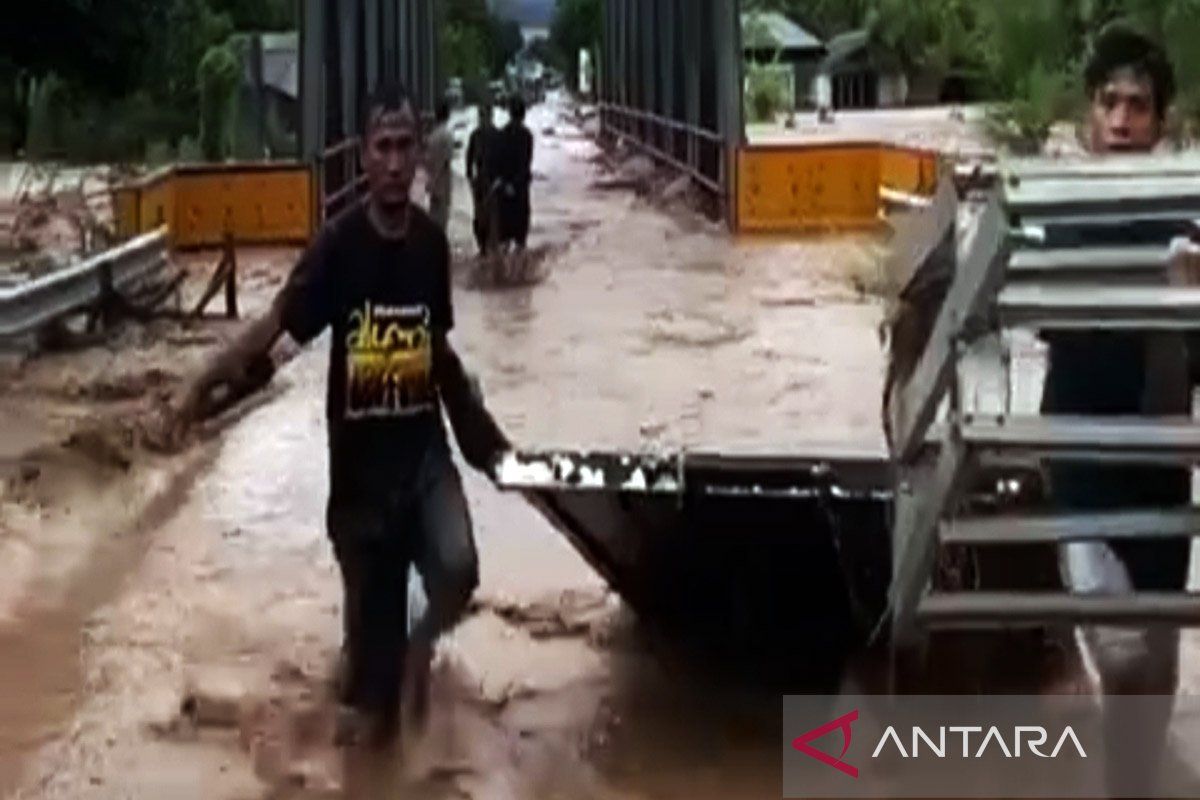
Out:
{"x": 269, "y": 99}
{"x": 860, "y": 73}
{"x": 773, "y": 38}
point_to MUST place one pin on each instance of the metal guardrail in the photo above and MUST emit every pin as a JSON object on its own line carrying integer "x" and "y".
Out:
{"x": 30, "y": 305}
{"x": 684, "y": 142}
{"x": 1090, "y": 219}
{"x": 339, "y": 179}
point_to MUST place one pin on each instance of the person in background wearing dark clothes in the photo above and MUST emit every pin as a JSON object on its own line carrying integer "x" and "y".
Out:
{"x": 1130, "y": 85}
{"x": 481, "y": 155}
{"x": 515, "y": 172}
{"x": 378, "y": 276}
{"x": 439, "y": 155}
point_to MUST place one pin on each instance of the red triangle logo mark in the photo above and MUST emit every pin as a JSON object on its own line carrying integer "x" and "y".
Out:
{"x": 842, "y": 723}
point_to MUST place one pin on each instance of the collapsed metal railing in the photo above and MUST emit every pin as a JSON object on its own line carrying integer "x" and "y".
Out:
{"x": 1059, "y": 247}
{"x": 36, "y": 303}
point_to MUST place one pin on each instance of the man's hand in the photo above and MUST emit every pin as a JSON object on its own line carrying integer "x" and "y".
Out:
{"x": 181, "y": 414}
{"x": 1183, "y": 266}
{"x": 242, "y": 367}
{"x": 187, "y": 408}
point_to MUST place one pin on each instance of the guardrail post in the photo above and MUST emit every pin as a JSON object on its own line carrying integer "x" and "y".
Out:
{"x": 231, "y": 300}
{"x": 106, "y": 301}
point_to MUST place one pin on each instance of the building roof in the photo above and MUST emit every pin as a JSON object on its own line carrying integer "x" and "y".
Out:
{"x": 281, "y": 63}
{"x": 770, "y": 29}
{"x": 859, "y": 47}
{"x": 846, "y": 45}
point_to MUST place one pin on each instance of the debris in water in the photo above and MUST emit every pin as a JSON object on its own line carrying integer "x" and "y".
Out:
{"x": 636, "y": 482}
{"x": 214, "y": 699}
{"x": 513, "y": 472}
{"x": 652, "y": 428}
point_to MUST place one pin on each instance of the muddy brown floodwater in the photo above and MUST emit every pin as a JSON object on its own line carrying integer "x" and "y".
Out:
{"x": 192, "y": 657}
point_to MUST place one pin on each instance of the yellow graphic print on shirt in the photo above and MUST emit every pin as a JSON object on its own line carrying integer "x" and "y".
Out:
{"x": 389, "y": 358}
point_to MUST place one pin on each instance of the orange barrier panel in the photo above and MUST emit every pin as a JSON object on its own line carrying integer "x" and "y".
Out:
{"x": 256, "y": 204}
{"x": 125, "y": 211}
{"x": 156, "y": 203}
{"x": 806, "y": 187}
{"x": 202, "y": 204}
{"x": 908, "y": 170}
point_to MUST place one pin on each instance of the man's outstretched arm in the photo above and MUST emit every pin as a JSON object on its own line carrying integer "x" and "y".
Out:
{"x": 478, "y": 435}
{"x": 302, "y": 308}
{"x": 237, "y": 369}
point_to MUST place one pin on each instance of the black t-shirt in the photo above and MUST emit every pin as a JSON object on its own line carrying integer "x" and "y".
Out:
{"x": 515, "y": 162}
{"x": 386, "y": 300}
{"x": 482, "y": 154}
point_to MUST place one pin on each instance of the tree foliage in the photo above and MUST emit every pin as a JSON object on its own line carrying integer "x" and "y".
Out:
{"x": 127, "y": 67}
{"x": 465, "y": 52}
{"x": 476, "y": 44}
{"x": 260, "y": 15}
{"x": 1025, "y": 54}
{"x": 507, "y": 41}
{"x": 577, "y": 25}
{"x": 217, "y": 82}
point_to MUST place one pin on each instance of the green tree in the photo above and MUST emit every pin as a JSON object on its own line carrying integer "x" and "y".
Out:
{"x": 1033, "y": 59}
{"x": 577, "y": 24}
{"x": 465, "y": 51}
{"x": 930, "y": 37}
{"x": 257, "y": 15}
{"x": 47, "y": 116}
{"x": 766, "y": 90}
{"x": 470, "y": 13}
{"x": 217, "y": 81}
{"x": 507, "y": 41}
{"x": 477, "y": 44}
{"x": 188, "y": 29}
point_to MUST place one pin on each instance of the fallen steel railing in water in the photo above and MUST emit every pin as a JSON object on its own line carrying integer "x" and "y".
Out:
{"x": 749, "y": 550}
{"x": 31, "y": 305}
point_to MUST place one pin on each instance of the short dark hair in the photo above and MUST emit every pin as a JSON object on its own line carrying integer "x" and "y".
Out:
{"x": 443, "y": 111}
{"x": 516, "y": 108}
{"x": 384, "y": 98}
{"x": 1119, "y": 45}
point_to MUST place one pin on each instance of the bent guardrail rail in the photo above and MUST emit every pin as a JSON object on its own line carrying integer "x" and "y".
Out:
{"x": 27, "y": 307}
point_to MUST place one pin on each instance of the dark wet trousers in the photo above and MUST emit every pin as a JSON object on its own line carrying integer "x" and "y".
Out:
{"x": 481, "y": 224}
{"x": 514, "y": 213}
{"x": 427, "y": 524}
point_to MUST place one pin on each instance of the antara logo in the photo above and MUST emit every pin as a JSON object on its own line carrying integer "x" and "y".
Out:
{"x": 842, "y": 723}
{"x": 1033, "y": 737}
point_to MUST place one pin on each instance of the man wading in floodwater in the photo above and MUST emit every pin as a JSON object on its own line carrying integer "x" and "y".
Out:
{"x": 379, "y": 276}
{"x": 1130, "y": 85}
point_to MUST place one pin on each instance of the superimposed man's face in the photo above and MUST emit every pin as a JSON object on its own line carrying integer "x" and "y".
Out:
{"x": 1124, "y": 115}
{"x": 390, "y": 155}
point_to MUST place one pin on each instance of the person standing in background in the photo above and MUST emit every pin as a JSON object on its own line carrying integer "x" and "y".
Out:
{"x": 439, "y": 153}
{"x": 481, "y": 155}
{"x": 515, "y": 172}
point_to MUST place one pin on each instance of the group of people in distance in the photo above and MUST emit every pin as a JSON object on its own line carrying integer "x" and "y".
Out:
{"x": 499, "y": 170}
